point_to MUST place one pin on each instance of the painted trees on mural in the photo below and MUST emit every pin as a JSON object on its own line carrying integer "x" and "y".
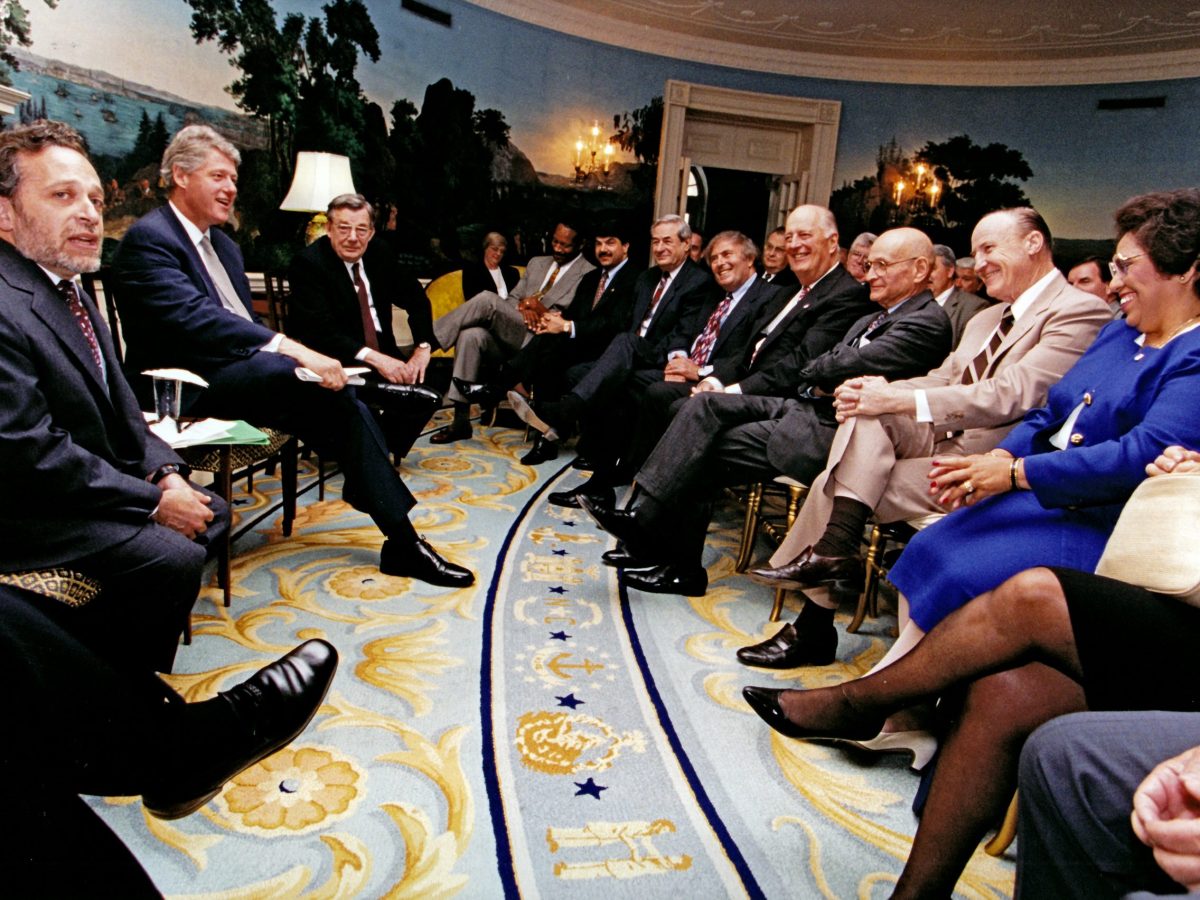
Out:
{"x": 944, "y": 189}
{"x": 14, "y": 27}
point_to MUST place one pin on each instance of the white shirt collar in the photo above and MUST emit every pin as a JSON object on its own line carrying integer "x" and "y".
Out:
{"x": 1023, "y": 302}
{"x": 822, "y": 278}
{"x": 56, "y": 279}
{"x": 194, "y": 234}
{"x": 741, "y": 292}
{"x": 944, "y": 296}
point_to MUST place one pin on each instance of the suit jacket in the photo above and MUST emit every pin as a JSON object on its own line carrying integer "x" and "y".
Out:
{"x": 476, "y": 278}
{"x": 76, "y": 450}
{"x": 960, "y": 306}
{"x": 910, "y": 339}
{"x": 563, "y": 289}
{"x": 1058, "y": 326}
{"x": 323, "y": 311}
{"x": 731, "y": 350}
{"x": 598, "y": 323}
{"x": 814, "y": 326}
{"x": 677, "y": 308}
{"x": 785, "y": 278}
{"x": 171, "y": 313}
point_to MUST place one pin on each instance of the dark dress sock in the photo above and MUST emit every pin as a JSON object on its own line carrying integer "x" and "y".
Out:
{"x": 844, "y": 531}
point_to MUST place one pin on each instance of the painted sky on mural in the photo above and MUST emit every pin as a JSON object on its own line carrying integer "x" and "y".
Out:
{"x": 550, "y": 87}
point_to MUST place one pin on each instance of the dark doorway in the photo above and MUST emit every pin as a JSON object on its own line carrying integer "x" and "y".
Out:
{"x": 737, "y": 201}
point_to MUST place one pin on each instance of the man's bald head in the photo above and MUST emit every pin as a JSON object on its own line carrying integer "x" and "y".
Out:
{"x": 899, "y": 265}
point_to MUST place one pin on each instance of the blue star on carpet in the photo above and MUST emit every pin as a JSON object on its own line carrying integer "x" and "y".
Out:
{"x": 570, "y": 700}
{"x": 559, "y": 552}
{"x": 558, "y": 590}
{"x": 559, "y": 635}
{"x": 590, "y": 788}
{"x": 568, "y": 523}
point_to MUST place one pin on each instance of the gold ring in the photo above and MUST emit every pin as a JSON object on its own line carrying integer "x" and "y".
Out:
{"x": 968, "y": 487}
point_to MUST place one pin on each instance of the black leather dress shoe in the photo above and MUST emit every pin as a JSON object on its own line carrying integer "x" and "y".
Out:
{"x": 543, "y": 450}
{"x": 450, "y": 434}
{"x": 841, "y": 721}
{"x": 687, "y": 581}
{"x": 420, "y": 561}
{"x": 483, "y": 394}
{"x": 624, "y": 526}
{"x": 414, "y": 395}
{"x": 583, "y": 464}
{"x": 809, "y": 569}
{"x": 790, "y": 650}
{"x": 272, "y": 706}
{"x": 600, "y": 496}
{"x": 620, "y": 558}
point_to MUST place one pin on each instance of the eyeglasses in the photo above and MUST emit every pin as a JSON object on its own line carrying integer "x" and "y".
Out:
{"x": 361, "y": 231}
{"x": 1120, "y": 264}
{"x": 882, "y": 265}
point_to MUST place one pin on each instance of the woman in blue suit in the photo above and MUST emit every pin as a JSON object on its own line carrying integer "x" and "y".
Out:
{"x": 1049, "y": 495}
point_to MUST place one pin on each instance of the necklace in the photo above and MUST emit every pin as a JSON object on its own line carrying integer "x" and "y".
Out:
{"x": 1141, "y": 354}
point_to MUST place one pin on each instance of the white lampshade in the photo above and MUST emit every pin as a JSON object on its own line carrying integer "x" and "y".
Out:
{"x": 319, "y": 178}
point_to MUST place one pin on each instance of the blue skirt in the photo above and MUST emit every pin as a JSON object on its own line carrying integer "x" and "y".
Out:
{"x": 975, "y": 549}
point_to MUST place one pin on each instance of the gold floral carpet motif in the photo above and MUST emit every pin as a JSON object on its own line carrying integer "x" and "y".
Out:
{"x": 542, "y": 733}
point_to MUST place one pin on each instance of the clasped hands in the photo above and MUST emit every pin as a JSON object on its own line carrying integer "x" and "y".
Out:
{"x": 870, "y": 395}
{"x": 182, "y": 508}
{"x": 532, "y": 311}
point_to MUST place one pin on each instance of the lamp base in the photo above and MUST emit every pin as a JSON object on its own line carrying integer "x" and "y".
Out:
{"x": 316, "y": 228}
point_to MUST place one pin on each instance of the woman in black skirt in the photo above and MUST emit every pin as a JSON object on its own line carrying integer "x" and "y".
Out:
{"x": 1045, "y": 643}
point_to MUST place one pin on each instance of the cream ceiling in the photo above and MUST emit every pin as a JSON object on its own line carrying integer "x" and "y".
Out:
{"x": 967, "y": 42}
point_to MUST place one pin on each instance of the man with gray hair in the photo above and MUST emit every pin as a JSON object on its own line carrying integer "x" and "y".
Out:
{"x": 958, "y": 305}
{"x": 185, "y": 302}
{"x": 856, "y": 256}
{"x": 965, "y": 277}
{"x": 343, "y": 292}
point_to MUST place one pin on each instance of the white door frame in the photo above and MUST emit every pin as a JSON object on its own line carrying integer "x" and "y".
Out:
{"x": 793, "y": 137}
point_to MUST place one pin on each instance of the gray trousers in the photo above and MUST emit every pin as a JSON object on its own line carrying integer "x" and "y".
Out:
{"x": 484, "y": 330}
{"x": 1077, "y": 778}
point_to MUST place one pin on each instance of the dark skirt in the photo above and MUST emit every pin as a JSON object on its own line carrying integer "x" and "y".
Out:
{"x": 1137, "y": 648}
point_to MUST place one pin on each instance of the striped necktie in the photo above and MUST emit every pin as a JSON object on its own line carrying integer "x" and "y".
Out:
{"x": 600, "y": 287}
{"x": 982, "y": 363}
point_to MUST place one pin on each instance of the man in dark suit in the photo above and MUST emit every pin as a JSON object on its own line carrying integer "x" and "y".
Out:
{"x": 185, "y": 302}
{"x": 571, "y": 336}
{"x": 667, "y": 301}
{"x": 958, "y": 305}
{"x": 775, "y": 268}
{"x": 721, "y": 440}
{"x": 85, "y": 484}
{"x": 343, "y": 291}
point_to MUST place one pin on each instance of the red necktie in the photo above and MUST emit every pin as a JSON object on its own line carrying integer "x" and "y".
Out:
{"x": 364, "y": 309}
{"x": 702, "y": 348}
{"x": 67, "y": 289}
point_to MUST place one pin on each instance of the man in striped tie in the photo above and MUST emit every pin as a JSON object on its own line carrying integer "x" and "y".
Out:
{"x": 881, "y": 456}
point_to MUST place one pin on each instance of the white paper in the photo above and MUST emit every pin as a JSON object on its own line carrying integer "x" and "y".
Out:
{"x": 178, "y": 375}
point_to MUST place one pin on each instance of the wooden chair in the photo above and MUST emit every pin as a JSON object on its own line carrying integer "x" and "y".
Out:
{"x": 1006, "y": 833}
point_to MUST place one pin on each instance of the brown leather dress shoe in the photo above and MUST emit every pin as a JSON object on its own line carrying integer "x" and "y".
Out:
{"x": 790, "y": 649}
{"x": 812, "y": 570}
{"x": 450, "y": 434}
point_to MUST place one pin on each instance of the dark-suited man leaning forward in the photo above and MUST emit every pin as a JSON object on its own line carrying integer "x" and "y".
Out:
{"x": 721, "y": 439}
{"x": 488, "y": 329}
{"x": 343, "y": 291}
{"x": 185, "y": 302}
{"x": 85, "y": 483}
{"x": 1009, "y": 356}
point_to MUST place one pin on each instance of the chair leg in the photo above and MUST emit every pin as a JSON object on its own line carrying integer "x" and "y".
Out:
{"x": 288, "y": 463}
{"x": 224, "y": 570}
{"x": 320, "y": 476}
{"x": 796, "y": 496}
{"x": 874, "y": 554}
{"x": 1006, "y": 833}
{"x": 777, "y": 606}
{"x": 749, "y": 527}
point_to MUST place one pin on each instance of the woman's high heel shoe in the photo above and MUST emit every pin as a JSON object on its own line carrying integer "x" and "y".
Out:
{"x": 921, "y": 744}
{"x": 842, "y": 721}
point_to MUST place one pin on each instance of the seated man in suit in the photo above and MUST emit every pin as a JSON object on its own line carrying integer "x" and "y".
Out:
{"x": 76, "y": 724}
{"x": 794, "y": 330}
{"x": 879, "y": 463}
{"x": 489, "y": 274}
{"x": 667, "y": 301}
{"x": 571, "y": 337}
{"x": 719, "y": 439}
{"x": 775, "y": 268}
{"x": 343, "y": 291}
{"x": 1093, "y": 275}
{"x": 959, "y": 305}
{"x": 85, "y": 484}
{"x": 489, "y": 330}
{"x": 185, "y": 302}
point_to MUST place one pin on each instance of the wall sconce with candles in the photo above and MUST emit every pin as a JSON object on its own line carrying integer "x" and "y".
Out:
{"x": 592, "y": 157}
{"x": 318, "y": 179}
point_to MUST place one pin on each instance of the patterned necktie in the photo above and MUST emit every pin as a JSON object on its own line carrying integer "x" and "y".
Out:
{"x": 798, "y": 299}
{"x": 983, "y": 361}
{"x": 67, "y": 289}
{"x": 703, "y": 347}
{"x": 216, "y": 271}
{"x": 658, "y": 292}
{"x": 364, "y": 309}
{"x": 600, "y": 287}
{"x": 549, "y": 282}
{"x": 871, "y": 326}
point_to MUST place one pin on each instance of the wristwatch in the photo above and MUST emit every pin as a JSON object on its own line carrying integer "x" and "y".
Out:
{"x": 169, "y": 469}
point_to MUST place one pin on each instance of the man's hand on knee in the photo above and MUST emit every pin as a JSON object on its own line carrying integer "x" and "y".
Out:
{"x": 182, "y": 508}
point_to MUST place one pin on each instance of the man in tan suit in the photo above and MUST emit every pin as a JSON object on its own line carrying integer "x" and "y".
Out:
{"x": 1009, "y": 356}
